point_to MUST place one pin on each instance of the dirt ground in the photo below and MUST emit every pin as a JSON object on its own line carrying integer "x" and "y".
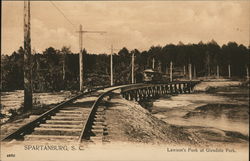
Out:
{"x": 129, "y": 122}
{"x": 182, "y": 120}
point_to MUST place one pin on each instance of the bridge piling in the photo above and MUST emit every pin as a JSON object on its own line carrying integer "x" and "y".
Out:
{"x": 171, "y": 88}
{"x": 180, "y": 87}
{"x": 175, "y": 89}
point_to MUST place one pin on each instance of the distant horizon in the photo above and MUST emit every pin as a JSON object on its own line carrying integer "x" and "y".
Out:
{"x": 130, "y": 24}
{"x": 116, "y": 51}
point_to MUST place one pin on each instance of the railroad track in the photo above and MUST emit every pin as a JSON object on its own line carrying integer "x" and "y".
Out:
{"x": 80, "y": 118}
{"x": 75, "y": 120}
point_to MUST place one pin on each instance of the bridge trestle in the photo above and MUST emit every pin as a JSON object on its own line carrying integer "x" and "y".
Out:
{"x": 148, "y": 91}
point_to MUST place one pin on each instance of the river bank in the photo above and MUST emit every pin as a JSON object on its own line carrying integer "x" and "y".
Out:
{"x": 220, "y": 111}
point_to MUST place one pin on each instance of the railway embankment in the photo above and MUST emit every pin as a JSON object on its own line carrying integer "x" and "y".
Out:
{"x": 129, "y": 122}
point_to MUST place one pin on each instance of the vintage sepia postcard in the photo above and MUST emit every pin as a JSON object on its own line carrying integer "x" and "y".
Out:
{"x": 125, "y": 80}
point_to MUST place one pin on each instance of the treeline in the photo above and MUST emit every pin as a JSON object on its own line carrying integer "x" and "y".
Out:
{"x": 59, "y": 69}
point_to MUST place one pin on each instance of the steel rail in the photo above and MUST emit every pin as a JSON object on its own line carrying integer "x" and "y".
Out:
{"x": 28, "y": 127}
{"x": 86, "y": 131}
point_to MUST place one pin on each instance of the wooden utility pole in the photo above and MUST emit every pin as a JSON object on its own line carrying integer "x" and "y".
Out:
{"x": 80, "y": 58}
{"x": 81, "y": 32}
{"x": 171, "y": 71}
{"x": 133, "y": 64}
{"x": 218, "y": 71}
{"x": 153, "y": 63}
{"x": 229, "y": 71}
{"x": 111, "y": 67}
{"x": 194, "y": 72}
{"x": 27, "y": 58}
{"x": 190, "y": 71}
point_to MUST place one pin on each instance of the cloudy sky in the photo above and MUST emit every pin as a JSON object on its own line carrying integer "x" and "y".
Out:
{"x": 134, "y": 24}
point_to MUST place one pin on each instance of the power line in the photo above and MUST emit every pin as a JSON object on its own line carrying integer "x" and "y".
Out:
{"x": 62, "y": 13}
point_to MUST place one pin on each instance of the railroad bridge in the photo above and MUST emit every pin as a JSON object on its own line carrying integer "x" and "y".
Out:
{"x": 145, "y": 91}
{"x": 76, "y": 120}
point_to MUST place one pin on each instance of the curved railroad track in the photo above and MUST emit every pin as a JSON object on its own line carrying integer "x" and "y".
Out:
{"x": 76, "y": 119}
{"x": 83, "y": 117}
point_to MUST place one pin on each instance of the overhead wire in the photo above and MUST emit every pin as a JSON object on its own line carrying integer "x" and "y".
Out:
{"x": 59, "y": 10}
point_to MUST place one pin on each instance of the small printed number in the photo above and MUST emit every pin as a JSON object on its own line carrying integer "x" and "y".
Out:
{"x": 10, "y": 155}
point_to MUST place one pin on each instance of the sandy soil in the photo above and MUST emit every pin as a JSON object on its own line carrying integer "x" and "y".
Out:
{"x": 129, "y": 122}
{"x": 204, "y": 119}
{"x": 204, "y": 86}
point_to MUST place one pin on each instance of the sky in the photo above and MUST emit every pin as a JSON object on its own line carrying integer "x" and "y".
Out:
{"x": 131, "y": 24}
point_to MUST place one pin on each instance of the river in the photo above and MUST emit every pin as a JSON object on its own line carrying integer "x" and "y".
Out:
{"x": 225, "y": 108}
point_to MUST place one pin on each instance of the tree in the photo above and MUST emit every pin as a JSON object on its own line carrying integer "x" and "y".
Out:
{"x": 123, "y": 52}
{"x": 64, "y": 52}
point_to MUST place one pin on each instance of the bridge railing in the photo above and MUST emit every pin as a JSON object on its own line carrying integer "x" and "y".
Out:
{"x": 145, "y": 91}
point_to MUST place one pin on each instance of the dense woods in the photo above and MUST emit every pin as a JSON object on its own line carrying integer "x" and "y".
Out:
{"x": 55, "y": 69}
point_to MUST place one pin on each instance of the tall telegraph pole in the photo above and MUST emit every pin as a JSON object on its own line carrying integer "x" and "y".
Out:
{"x": 190, "y": 71}
{"x": 111, "y": 67}
{"x": 218, "y": 71}
{"x": 27, "y": 57}
{"x": 81, "y": 32}
{"x": 229, "y": 71}
{"x": 171, "y": 71}
{"x": 153, "y": 63}
{"x": 133, "y": 68}
{"x": 80, "y": 57}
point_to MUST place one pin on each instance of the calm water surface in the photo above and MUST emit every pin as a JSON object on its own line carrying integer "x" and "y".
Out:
{"x": 225, "y": 109}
